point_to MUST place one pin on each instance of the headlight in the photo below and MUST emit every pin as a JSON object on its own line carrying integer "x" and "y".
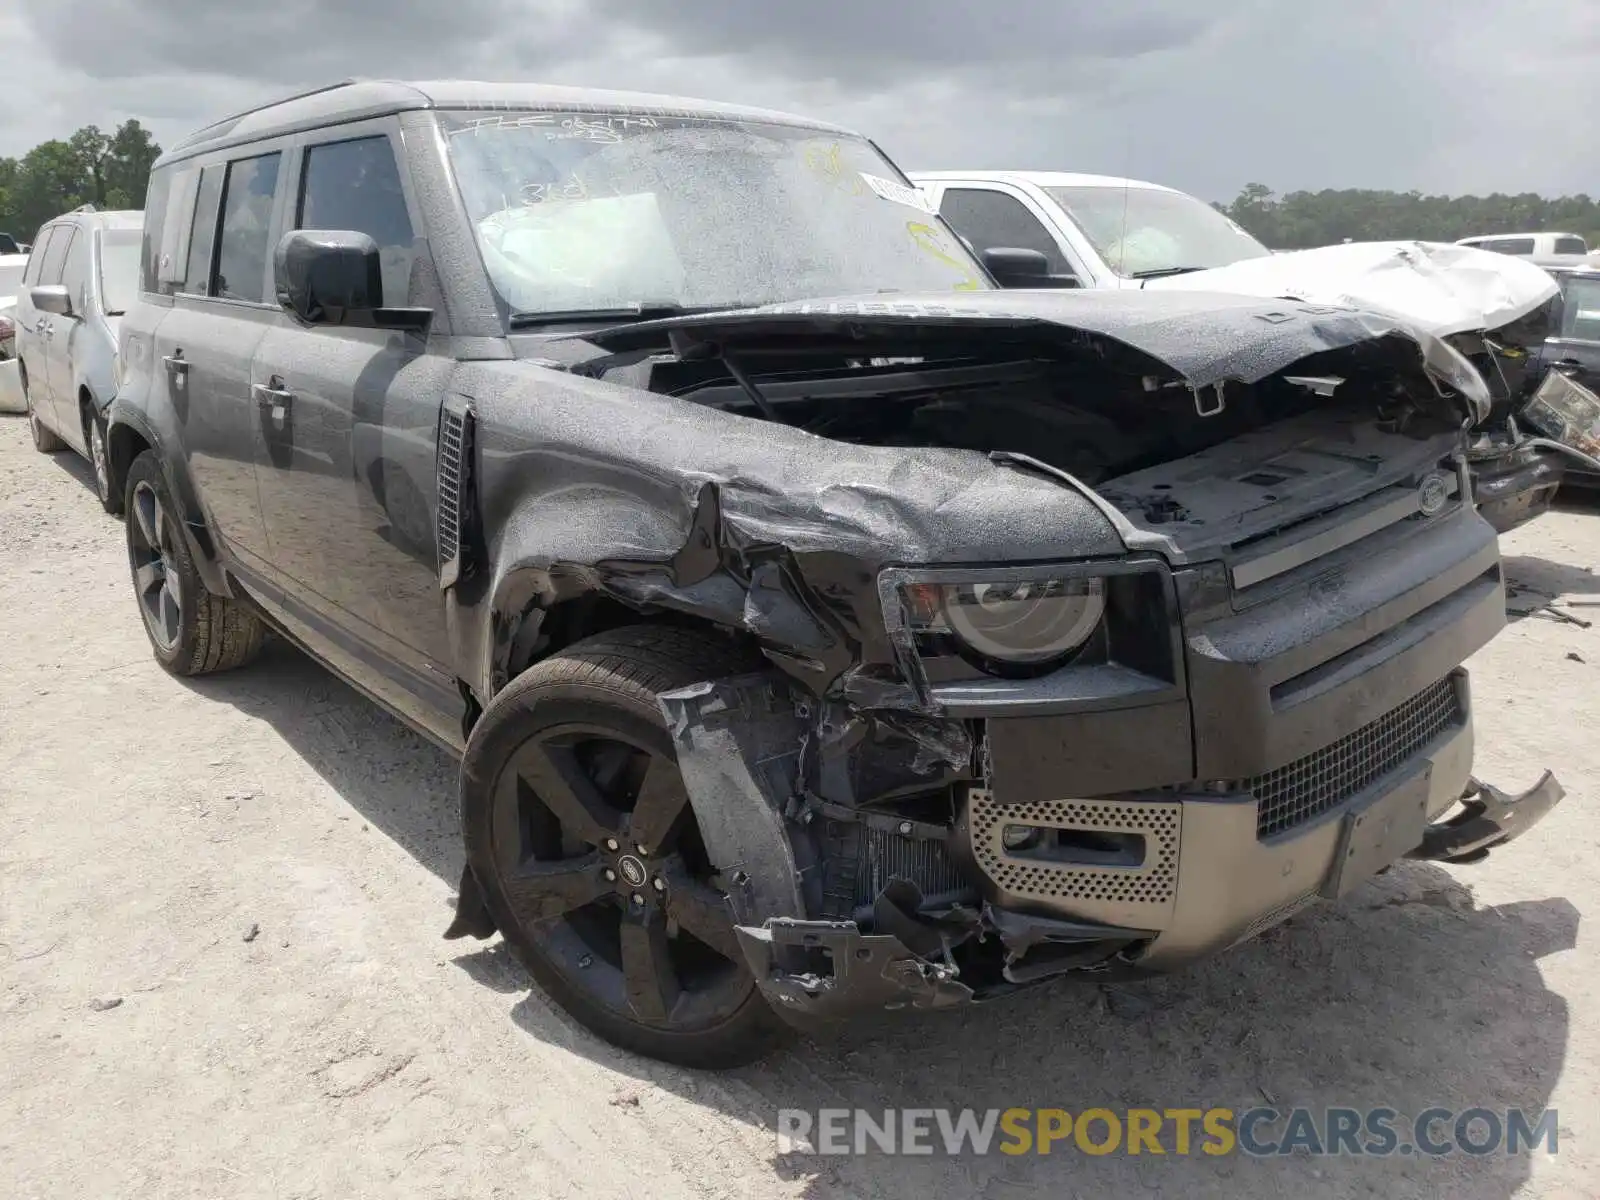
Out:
{"x": 1010, "y": 624}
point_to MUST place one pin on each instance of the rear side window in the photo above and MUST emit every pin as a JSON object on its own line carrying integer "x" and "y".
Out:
{"x": 989, "y": 220}
{"x": 155, "y": 211}
{"x": 243, "y": 249}
{"x": 41, "y": 247}
{"x": 1508, "y": 245}
{"x": 356, "y": 185}
{"x": 203, "y": 233}
{"x": 1571, "y": 245}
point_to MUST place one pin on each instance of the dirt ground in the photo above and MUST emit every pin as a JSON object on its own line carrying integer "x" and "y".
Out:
{"x": 221, "y": 971}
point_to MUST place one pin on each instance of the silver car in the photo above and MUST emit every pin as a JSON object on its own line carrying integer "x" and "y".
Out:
{"x": 82, "y": 274}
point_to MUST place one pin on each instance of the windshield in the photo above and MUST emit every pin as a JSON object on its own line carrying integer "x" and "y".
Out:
{"x": 587, "y": 212}
{"x": 1141, "y": 230}
{"x": 119, "y": 269}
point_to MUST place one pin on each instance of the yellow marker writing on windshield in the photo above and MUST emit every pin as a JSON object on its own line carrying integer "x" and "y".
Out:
{"x": 926, "y": 237}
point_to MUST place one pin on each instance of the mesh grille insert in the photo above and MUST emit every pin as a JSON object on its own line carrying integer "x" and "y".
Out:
{"x": 1310, "y": 786}
{"x": 1153, "y": 883}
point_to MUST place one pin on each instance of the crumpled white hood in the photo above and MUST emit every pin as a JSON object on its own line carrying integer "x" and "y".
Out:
{"x": 1435, "y": 286}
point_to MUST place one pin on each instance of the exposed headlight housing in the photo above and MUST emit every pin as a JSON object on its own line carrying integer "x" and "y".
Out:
{"x": 1016, "y": 624}
{"x": 1035, "y": 635}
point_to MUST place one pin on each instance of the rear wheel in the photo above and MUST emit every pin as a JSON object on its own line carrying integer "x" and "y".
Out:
{"x": 94, "y": 425}
{"x": 44, "y": 441}
{"x": 191, "y": 631}
{"x": 580, "y": 831}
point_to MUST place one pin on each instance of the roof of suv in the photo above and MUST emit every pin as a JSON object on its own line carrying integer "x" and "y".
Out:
{"x": 1044, "y": 179}
{"x": 113, "y": 218}
{"x": 358, "y": 99}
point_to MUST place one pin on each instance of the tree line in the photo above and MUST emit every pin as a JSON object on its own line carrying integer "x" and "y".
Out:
{"x": 108, "y": 170}
{"x": 1301, "y": 220}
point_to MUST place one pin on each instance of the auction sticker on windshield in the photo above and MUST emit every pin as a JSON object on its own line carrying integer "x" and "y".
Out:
{"x": 898, "y": 192}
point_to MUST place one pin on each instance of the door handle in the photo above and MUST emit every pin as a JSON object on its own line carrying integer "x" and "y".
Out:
{"x": 273, "y": 398}
{"x": 1567, "y": 364}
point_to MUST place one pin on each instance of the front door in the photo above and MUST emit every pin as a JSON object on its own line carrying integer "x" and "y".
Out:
{"x": 347, "y": 424}
{"x": 63, "y": 333}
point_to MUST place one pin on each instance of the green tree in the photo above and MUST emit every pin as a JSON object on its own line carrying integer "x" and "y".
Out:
{"x": 1299, "y": 220}
{"x": 90, "y": 167}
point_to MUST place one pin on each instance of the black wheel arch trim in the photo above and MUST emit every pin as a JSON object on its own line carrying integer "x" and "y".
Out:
{"x": 123, "y": 420}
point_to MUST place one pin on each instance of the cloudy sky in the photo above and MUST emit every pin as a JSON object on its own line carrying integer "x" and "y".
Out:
{"x": 1207, "y": 95}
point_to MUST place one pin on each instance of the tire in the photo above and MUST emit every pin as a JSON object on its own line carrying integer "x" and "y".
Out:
{"x": 44, "y": 441}
{"x": 94, "y": 436}
{"x": 594, "y": 707}
{"x": 191, "y": 631}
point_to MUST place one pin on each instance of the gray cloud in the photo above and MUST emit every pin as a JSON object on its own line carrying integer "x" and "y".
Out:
{"x": 868, "y": 43}
{"x": 1439, "y": 95}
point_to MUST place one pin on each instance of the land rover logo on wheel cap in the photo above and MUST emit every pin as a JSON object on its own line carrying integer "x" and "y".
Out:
{"x": 631, "y": 870}
{"x": 1433, "y": 494}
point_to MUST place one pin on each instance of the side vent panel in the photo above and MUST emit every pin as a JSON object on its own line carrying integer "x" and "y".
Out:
{"x": 456, "y": 428}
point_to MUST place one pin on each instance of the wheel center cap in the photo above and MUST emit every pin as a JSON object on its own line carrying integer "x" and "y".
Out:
{"x": 631, "y": 870}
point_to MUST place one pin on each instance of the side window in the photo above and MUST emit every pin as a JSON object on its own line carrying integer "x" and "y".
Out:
{"x": 989, "y": 219}
{"x": 243, "y": 249}
{"x": 1571, "y": 245}
{"x": 55, "y": 255}
{"x": 356, "y": 185}
{"x": 203, "y": 233}
{"x": 155, "y": 212}
{"x": 1580, "y": 310}
{"x": 1509, "y": 245}
{"x": 75, "y": 271}
{"x": 36, "y": 256}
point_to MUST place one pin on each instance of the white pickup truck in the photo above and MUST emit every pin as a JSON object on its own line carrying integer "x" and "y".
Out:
{"x": 1048, "y": 229}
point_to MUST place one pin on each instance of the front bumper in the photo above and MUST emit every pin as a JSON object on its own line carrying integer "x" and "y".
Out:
{"x": 1212, "y": 870}
{"x": 1514, "y": 487}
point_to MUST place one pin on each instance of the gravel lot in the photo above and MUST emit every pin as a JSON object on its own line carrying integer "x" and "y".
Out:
{"x": 221, "y": 971}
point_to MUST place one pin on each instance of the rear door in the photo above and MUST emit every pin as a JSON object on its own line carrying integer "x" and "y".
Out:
{"x": 216, "y": 263}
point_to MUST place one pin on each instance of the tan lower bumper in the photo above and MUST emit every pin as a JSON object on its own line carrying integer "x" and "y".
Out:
{"x": 1205, "y": 880}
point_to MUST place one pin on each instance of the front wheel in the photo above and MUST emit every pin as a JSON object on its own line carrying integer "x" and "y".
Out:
{"x": 44, "y": 441}
{"x": 580, "y": 831}
{"x": 191, "y": 631}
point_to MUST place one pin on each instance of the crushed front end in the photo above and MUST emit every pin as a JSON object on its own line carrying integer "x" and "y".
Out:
{"x": 1115, "y": 763}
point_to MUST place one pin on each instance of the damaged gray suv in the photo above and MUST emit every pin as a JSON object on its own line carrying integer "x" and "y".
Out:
{"x": 823, "y": 631}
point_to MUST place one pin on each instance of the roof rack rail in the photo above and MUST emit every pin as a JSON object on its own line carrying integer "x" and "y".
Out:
{"x": 217, "y": 128}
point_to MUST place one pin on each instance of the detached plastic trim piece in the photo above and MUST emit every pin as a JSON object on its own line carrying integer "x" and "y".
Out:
{"x": 1489, "y": 818}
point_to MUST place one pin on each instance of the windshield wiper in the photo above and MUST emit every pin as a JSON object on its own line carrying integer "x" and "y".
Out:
{"x": 651, "y": 310}
{"x": 1158, "y": 272}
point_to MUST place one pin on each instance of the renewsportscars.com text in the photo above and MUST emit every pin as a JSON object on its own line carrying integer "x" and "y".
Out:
{"x": 1257, "y": 1132}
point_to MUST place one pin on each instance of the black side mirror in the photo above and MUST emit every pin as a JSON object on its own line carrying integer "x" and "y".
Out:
{"x": 1014, "y": 267}
{"x": 52, "y": 298}
{"x": 335, "y": 277}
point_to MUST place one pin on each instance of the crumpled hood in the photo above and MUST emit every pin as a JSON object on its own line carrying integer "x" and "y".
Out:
{"x": 1441, "y": 288}
{"x": 1205, "y": 338}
